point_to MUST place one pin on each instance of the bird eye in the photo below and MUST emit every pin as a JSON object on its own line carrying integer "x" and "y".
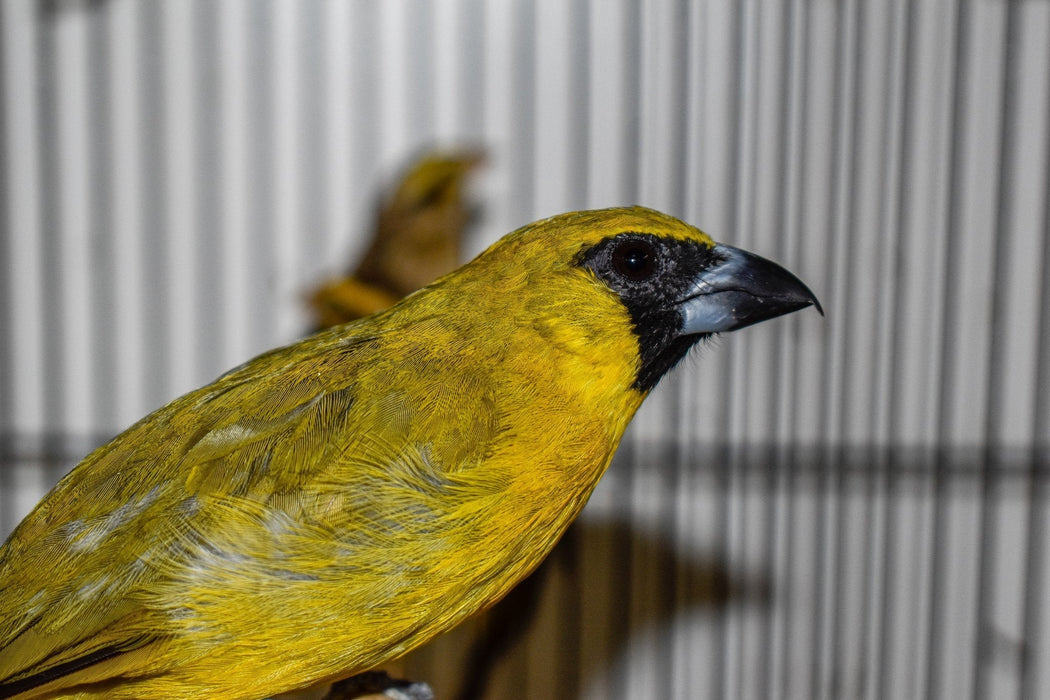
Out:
{"x": 635, "y": 260}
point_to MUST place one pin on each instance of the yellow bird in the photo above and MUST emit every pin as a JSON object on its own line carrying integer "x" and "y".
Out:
{"x": 329, "y": 505}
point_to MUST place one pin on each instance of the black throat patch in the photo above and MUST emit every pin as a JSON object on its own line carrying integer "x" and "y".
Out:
{"x": 651, "y": 275}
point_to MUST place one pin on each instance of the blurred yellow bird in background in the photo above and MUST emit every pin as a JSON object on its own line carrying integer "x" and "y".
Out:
{"x": 330, "y": 505}
{"x": 417, "y": 238}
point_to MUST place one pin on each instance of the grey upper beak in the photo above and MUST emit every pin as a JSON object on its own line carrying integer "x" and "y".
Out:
{"x": 739, "y": 290}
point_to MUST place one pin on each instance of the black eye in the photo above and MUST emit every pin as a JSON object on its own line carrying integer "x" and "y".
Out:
{"x": 635, "y": 260}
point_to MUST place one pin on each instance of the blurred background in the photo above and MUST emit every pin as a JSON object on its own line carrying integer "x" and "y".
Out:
{"x": 848, "y": 507}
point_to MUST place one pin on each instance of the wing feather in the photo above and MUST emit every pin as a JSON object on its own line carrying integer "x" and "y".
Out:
{"x": 109, "y": 542}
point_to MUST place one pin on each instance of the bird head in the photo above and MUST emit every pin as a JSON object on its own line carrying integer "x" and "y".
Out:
{"x": 675, "y": 284}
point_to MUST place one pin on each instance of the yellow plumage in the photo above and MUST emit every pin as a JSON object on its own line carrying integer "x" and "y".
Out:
{"x": 329, "y": 505}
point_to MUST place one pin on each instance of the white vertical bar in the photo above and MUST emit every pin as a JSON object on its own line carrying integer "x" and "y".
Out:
{"x": 447, "y": 43}
{"x": 868, "y": 243}
{"x": 979, "y": 165}
{"x": 1005, "y": 624}
{"x": 659, "y": 101}
{"x": 814, "y": 344}
{"x": 924, "y": 227}
{"x": 853, "y": 535}
{"x": 886, "y": 221}
{"x": 754, "y": 555}
{"x": 962, "y": 540}
{"x": 500, "y": 121}
{"x": 854, "y": 610}
{"x": 838, "y": 209}
{"x": 1039, "y": 624}
{"x": 352, "y": 184}
{"x": 1025, "y": 198}
{"x": 179, "y": 163}
{"x": 802, "y": 611}
{"x": 343, "y": 197}
{"x": 907, "y": 622}
{"x": 642, "y": 673}
{"x": 238, "y": 238}
{"x": 127, "y": 215}
{"x": 695, "y": 648}
{"x": 1022, "y": 200}
{"x": 72, "y": 177}
{"x": 552, "y": 109}
{"x": 287, "y": 163}
{"x": 695, "y": 126}
{"x": 608, "y": 24}
{"x": 717, "y": 119}
{"x": 314, "y": 227}
{"x": 393, "y": 80}
{"x": 419, "y": 75}
{"x": 367, "y": 118}
{"x": 876, "y": 546}
{"x": 23, "y": 293}
{"x": 598, "y": 648}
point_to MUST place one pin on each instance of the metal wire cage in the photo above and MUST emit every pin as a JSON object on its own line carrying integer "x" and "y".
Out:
{"x": 853, "y": 507}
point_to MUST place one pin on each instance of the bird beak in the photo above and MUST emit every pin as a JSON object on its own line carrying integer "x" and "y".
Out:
{"x": 740, "y": 289}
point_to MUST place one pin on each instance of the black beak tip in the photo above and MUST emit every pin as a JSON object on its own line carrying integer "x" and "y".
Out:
{"x": 783, "y": 286}
{"x": 778, "y": 282}
{"x": 811, "y": 300}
